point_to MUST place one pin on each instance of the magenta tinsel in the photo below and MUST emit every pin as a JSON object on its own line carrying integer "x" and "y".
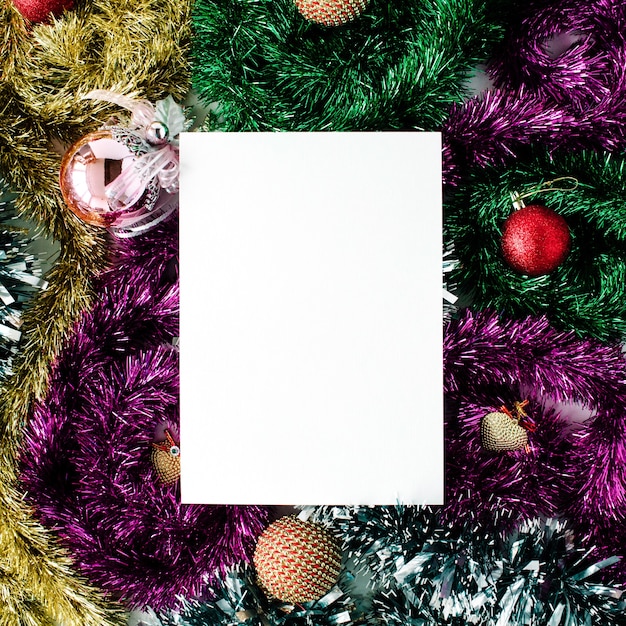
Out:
{"x": 482, "y": 349}
{"x": 597, "y": 461}
{"x": 572, "y": 53}
{"x": 498, "y": 489}
{"x": 87, "y": 454}
{"x": 600, "y": 448}
{"x": 572, "y": 100}
{"x": 493, "y": 128}
{"x": 577, "y": 473}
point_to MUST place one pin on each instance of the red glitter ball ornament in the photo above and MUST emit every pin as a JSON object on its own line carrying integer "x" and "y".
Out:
{"x": 535, "y": 240}
{"x": 40, "y": 10}
{"x": 331, "y": 12}
{"x": 297, "y": 561}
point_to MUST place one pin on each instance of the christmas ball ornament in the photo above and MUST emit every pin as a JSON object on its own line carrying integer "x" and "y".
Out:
{"x": 535, "y": 240}
{"x": 331, "y": 12}
{"x": 166, "y": 459}
{"x": 40, "y": 10}
{"x": 157, "y": 133}
{"x": 98, "y": 180}
{"x": 297, "y": 561}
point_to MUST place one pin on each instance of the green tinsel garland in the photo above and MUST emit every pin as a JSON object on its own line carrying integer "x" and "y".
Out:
{"x": 400, "y": 65}
{"x": 587, "y": 292}
{"x": 136, "y": 47}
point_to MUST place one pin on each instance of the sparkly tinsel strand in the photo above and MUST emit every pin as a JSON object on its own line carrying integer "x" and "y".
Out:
{"x": 87, "y": 455}
{"x": 400, "y": 65}
{"x": 20, "y": 278}
{"x": 571, "y": 53}
{"x": 425, "y": 573}
{"x": 483, "y": 349}
{"x": 497, "y": 126}
{"x": 44, "y": 70}
{"x": 587, "y": 292}
{"x": 538, "y": 573}
{"x": 239, "y": 600}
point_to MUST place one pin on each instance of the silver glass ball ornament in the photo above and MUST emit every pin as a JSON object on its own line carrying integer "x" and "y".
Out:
{"x": 157, "y": 133}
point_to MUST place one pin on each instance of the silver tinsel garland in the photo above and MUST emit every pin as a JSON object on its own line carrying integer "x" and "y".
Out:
{"x": 20, "y": 277}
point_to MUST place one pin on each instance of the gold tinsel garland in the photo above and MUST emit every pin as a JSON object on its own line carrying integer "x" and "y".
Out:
{"x": 136, "y": 47}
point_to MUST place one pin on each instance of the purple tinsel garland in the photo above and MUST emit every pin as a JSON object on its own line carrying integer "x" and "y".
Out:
{"x": 574, "y": 99}
{"x": 598, "y": 463}
{"x": 493, "y": 127}
{"x": 87, "y": 454}
{"x": 481, "y": 349}
{"x": 578, "y": 473}
{"x": 496, "y": 490}
{"x": 572, "y": 53}
{"x": 573, "y": 96}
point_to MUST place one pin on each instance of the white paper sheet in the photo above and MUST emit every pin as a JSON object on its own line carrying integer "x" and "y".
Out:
{"x": 311, "y": 330}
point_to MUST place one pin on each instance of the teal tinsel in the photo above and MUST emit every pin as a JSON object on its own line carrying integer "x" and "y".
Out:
{"x": 20, "y": 279}
{"x": 535, "y": 576}
{"x": 380, "y": 540}
{"x": 587, "y": 292}
{"x": 238, "y": 601}
{"x": 545, "y": 580}
{"x": 400, "y": 65}
{"x": 413, "y": 561}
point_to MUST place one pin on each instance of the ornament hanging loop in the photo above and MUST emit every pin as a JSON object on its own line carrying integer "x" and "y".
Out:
{"x": 520, "y": 416}
{"x": 518, "y": 198}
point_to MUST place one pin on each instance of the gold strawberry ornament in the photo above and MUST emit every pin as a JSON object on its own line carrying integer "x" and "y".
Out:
{"x": 166, "y": 459}
{"x": 505, "y": 430}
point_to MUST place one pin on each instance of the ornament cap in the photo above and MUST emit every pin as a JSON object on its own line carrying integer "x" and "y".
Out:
{"x": 517, "y": 200}
{"x": 157, "y": 133}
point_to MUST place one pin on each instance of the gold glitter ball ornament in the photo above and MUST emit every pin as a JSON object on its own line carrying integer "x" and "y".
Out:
{"x": 331, "y": 12}
{"x": 297, "y": 561}
{"x": 499, "y": 432}
{"x": 166, "y": 460}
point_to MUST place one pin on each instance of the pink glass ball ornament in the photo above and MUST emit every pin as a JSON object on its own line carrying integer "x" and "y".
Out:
{"x": 90, "y": 170}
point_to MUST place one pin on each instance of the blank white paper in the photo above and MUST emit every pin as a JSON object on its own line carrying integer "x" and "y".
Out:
{"x": 311, "y": 320}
